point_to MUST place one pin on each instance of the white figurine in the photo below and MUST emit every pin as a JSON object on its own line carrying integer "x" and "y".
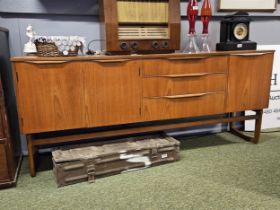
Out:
{"x": 30, "y": 47}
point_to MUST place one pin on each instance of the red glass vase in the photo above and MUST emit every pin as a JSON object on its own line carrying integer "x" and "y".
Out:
{"x": 192, "y": 12}
{"x": 206, "y": 14}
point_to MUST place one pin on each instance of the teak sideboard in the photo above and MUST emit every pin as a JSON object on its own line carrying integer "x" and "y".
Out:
{"x": 68, "y": 93}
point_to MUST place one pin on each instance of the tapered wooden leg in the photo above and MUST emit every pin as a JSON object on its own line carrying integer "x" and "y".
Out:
{"x": 31, "y": 161}
{"x": 231, "y": 124}
{"x": 256, "y": 137}
{"x": 258, "y": 125}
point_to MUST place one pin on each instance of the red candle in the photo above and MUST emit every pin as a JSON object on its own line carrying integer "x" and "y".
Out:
{"x": 192, "y": 13}
{"x": 206, "y": 13}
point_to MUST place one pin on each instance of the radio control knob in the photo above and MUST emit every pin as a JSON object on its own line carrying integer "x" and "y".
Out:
{"x": 165, "y": 44}
{"x": 124, "y": 46}
{"x": 155, "y": 45}
{"x": 134, "y": 45}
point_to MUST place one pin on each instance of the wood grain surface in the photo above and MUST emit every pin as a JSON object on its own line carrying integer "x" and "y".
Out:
{"x": 249, "y": 81}
{"x": 82, "y": 92}
{"x": 4, "y": 171}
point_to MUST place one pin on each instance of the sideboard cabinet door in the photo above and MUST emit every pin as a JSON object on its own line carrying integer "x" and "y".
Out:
{"x": 50, "y": 95}
{"x": 249, "y": 80}
{"x": 113, "y": 90}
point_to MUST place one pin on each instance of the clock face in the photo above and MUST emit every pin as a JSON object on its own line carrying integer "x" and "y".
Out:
{"x": 240, "y": 31}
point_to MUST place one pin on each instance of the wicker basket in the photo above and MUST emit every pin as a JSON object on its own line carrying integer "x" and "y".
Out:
{"x": 50, "y": 49}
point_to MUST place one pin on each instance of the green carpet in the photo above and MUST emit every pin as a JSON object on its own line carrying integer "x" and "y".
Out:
{"x": 215, "y": 172}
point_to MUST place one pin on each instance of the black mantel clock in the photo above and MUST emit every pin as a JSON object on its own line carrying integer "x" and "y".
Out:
{"x": 234, "y": 34}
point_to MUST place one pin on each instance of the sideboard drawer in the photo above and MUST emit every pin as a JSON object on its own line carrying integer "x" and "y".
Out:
{"x": 183, "y": 84}
{"x": 181, "y": 65}
{"x": 179, "y": 106}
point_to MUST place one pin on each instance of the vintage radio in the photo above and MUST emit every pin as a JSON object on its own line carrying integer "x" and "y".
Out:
{"x": 140, "y": 26}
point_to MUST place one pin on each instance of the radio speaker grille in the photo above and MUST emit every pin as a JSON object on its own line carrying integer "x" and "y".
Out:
{"x": 140, "y": 32}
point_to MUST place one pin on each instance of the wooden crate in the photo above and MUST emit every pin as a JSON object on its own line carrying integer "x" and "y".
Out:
{"x": 85, "y": 163}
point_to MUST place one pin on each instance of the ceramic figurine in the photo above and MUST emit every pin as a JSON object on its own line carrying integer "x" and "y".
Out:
{"x": 30, "y": 47}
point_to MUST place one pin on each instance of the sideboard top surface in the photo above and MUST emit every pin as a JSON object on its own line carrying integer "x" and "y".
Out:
{"x": 136, "y": 56}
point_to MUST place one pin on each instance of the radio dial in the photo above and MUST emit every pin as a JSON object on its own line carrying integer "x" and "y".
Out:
{"x": 155, "y": 45}
{"x": 124, "y": 46}
{"x": 134, "y": 45}
{"x": 165, "y": 44}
